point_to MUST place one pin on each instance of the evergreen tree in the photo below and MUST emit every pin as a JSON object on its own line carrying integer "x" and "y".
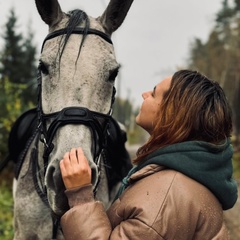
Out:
{"x": 122, "y": 110}
{"x": 12, "y": 54}
{"x": 237, "y": 5}
{"x": 29, "y": 72}
{"x": 219, "y": 57}
{"x": 17, "y": 59}
{"x": 17, "y": 74}
{"x": 198, "y": 56}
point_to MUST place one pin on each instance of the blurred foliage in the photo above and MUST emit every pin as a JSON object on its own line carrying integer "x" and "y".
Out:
{"x": 17, "y": 58}
{"x": 236, "y": 165}
{"x": 17, "y": 94}
{"x": 17, "y": 74}
{"x": 125, "y": 113}
{"x": 6, "y": 204}
{"x": 219, "y": 56}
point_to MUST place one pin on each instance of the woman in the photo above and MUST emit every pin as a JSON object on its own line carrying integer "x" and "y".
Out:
{"x": 182, "y": 177}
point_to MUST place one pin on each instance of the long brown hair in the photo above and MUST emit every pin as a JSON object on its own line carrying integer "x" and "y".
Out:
{"x": 194, "y": 108}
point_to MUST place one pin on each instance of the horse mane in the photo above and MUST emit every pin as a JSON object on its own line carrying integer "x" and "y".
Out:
{"x": 77, "y": 17}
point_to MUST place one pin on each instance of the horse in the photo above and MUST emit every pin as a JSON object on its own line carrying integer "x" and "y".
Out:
{"x": 76, "y": 75}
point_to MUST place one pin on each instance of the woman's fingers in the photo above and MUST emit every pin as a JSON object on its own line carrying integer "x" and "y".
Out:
{"x": 85, "y": 164}
{"x": 75, "y": 169}
{"x": 73, "y": 156}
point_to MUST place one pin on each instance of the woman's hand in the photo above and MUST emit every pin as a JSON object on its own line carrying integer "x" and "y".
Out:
{"x": 75, "y": 169}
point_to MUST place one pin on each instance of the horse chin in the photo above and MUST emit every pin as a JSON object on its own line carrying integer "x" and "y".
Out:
{"x": 55, "y": 191}
{"x": 58, "y": 203}
{"x": 57, "y": 199}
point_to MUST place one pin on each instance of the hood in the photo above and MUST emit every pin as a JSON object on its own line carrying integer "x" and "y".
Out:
{"x": 209, "y": 164}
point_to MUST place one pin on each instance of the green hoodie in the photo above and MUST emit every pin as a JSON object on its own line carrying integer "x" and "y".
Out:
{"x": 208, "y": 164}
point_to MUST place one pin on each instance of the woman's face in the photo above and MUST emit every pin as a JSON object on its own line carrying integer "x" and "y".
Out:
{"x": 147, "y": 115}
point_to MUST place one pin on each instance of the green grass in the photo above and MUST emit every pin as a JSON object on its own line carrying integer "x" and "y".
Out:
{"x": 6, "y": 206}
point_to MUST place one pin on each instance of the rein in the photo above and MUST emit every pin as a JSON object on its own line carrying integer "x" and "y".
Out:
{"x": 98, "y": 123}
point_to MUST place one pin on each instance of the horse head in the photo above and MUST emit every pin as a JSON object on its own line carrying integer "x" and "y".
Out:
{"x": 77, "y": 71}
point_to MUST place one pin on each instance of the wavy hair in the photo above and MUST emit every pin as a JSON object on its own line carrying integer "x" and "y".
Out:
{"x": 194, "y": 108}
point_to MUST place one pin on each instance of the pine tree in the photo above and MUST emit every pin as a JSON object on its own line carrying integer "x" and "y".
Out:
{"x": 12, "y": 54}
{"x": 17, "y": 59}
{"x": 29, "y": 72}
{"x": 17, "y": 74}
{"x": 219, "y": 57}
{"x": 198, "y": 57}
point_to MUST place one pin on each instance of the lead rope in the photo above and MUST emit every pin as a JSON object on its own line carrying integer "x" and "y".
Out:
{"x": 56, "y": 224}
{"x": 55, "y": 220}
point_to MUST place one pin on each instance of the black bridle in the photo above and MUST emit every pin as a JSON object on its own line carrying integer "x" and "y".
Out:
{"x": 77, "y": 30}
{"x": 97, "y": 122}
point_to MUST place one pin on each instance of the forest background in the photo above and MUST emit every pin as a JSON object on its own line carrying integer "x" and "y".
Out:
{"x": 218, "y": 57}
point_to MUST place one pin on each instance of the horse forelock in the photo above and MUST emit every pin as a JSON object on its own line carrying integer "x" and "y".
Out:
{"x": 76, "y": 17}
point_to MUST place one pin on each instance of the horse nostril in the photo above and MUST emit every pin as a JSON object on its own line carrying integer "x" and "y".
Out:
{"x": 50, "y": 177}
{"x": 55, "y": 190}
{"x": 54, "y": 179}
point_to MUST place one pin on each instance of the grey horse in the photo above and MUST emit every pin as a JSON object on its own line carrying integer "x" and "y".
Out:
{"x": 76, "y": 78}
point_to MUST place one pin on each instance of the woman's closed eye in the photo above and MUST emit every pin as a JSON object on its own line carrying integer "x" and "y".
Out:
{"x": 153, "y": 92}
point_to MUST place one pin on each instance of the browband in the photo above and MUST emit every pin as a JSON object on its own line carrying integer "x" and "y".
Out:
{"x": 77, "y": 30}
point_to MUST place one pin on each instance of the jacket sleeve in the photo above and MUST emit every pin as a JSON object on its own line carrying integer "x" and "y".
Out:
{"x": 87, "y": 219}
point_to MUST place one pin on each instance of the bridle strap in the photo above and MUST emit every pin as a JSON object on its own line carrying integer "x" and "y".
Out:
{"x": 97, "y": 123}
{"x": 77, "y": 30}
{"x": 78, "y": 115}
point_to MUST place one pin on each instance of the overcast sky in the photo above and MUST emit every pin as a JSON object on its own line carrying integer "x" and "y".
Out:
{"x": 152, "y": 42}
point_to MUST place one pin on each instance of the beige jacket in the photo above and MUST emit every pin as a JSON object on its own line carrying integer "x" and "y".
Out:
{"x": 159, "y": 204}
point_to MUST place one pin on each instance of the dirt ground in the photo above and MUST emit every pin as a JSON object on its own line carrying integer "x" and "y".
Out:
{"x": 232, "y": 219}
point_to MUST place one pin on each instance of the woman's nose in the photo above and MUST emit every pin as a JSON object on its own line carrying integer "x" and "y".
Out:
{"x": 145, "y": 95}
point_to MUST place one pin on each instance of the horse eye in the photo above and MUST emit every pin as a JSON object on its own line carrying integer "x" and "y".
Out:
{"x": 42, "y": 67}
{"x": 113, "y": 75}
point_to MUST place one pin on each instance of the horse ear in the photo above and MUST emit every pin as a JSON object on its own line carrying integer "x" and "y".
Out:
{"x": 114, "y": 15}
{"x": 50, "y": 11}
